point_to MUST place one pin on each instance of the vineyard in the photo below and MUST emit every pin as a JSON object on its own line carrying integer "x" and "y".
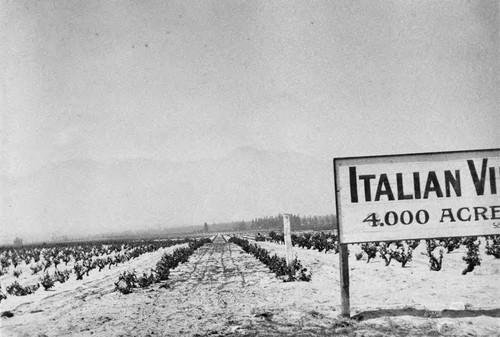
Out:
{"x": 240, "y": 284}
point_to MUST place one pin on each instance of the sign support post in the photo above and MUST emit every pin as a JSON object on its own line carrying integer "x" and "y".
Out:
{"x": 344, "y": 280}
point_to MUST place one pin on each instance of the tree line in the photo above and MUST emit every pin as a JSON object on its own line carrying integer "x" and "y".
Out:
{"x": 297, "y": 222}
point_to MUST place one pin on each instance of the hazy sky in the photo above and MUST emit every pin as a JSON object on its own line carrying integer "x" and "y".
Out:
{"x": 184, "y": 80}
{"x": 181, "y": 80}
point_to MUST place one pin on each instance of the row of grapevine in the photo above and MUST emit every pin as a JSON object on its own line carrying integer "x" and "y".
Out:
{"x": 84, "y": 258}
{"x": 321, "y": 241}
{"x": 41, "y": 257}
{"x": 275, "y": 263}
{"x": 435, "y": 249}
{"x": 400, "y": 251}
{"x": 129, "y": 279}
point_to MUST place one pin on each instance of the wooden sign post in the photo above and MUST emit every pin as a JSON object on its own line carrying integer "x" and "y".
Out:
{"x": 415, "y": 196}
{"x": 344, "y": 281}
{"x": 288, "y": 241}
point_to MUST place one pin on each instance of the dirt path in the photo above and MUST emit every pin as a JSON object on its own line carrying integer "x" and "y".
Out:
{"x": 221, "y": 291}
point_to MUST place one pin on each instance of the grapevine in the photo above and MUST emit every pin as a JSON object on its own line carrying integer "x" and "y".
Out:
{"x": 433, "y": 248}
{"x": 472, "y": 258}
{"x": 47, "y": 281}
{"x": 370, "y": 248}
{"x": 493, "y": 246}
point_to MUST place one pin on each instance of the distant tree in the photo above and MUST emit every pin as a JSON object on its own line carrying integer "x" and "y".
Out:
{"x": 295, "y": 222}
{"x": 18, "y": 242}
{"x": 205, "y": 227}
{"x": 315, "y": 221}
{"x": 240, "y": 226}
{"x": 254, "y": 225}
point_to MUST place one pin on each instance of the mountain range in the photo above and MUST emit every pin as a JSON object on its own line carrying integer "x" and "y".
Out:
{"x": 85, "y": 196}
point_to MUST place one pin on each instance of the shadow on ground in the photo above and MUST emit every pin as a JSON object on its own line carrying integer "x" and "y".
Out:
{"x": 365, "y": 315}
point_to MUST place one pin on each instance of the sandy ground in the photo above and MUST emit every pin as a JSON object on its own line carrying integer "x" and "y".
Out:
{"x": 222, "y": 291}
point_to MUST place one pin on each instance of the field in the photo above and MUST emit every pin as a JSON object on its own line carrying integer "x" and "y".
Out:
{"x": 223, "y": 291}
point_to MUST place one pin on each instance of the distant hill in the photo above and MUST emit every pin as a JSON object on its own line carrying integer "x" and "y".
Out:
{"x": 86, "y": 196}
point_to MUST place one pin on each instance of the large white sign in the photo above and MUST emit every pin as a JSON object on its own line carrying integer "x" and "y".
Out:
{"x": 418, "y": 196}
